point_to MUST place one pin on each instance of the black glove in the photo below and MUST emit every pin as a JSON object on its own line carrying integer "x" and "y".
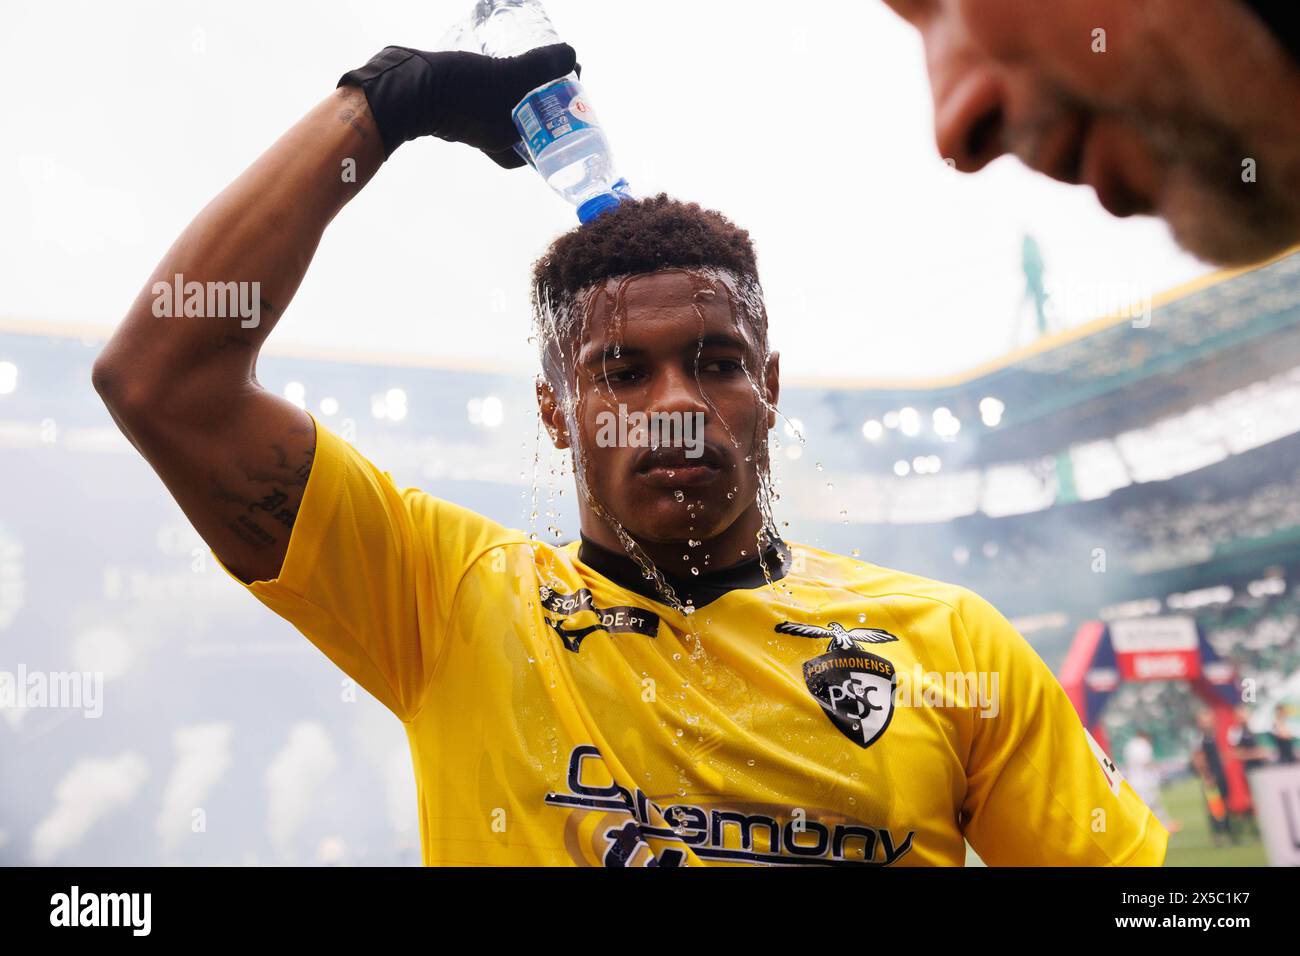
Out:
{"x": 459, "y": 97}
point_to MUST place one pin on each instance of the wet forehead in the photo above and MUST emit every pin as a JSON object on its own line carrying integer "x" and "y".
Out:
{"x": 643, "y": 309}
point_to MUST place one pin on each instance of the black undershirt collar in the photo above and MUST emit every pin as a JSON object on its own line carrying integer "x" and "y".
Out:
{"x": 698, "y": 590}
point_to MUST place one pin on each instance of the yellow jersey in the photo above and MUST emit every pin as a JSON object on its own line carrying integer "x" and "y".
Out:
{"x": 809, "y": 709}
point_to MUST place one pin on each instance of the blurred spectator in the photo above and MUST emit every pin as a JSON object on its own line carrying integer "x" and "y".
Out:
{"x": 1214, "y": 782}
{"x": 1283, "y": 739}
{"x": 1144, "y": 776}
{"x": 1245, "y": 744}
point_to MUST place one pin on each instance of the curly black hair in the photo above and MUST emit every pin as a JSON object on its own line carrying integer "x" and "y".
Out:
{"x": 644, "y": 235}
{"x": 636, "y": 237}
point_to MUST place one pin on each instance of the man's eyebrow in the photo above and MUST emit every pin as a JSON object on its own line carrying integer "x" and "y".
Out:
{"x": 722, "y": 340}
{"x": 611, "y": 351}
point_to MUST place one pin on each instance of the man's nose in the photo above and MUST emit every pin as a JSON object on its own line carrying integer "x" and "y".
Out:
{"x": 969, "y": 114}
{"x": 678, "y": 390}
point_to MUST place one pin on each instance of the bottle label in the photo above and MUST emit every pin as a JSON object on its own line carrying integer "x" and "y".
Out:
{"x": 552, "y": 112}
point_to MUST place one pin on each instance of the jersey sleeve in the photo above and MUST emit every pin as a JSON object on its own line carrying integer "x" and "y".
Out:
{"x": 371, "y": 572}
{"x": 1040, "y": 791}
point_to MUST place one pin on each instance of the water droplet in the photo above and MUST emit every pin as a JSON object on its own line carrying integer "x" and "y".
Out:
{"x": 679, "y": 496}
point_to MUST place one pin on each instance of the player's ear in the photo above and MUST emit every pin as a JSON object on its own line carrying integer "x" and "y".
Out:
{"x": 552, "y": 414}
{"x": 772, "y": 380}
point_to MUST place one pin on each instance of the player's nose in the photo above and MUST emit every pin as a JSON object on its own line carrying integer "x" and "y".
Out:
{"x": 969, "y": 113}
{"x": 677, "y": 390}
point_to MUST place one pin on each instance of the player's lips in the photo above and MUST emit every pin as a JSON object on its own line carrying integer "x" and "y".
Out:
{"x": 672, "y": 468}
{"x": 1102, "y": 168}
{"x": 1092, "y": 152}
{"x": 1059, "y": 152}
{"x": 1085, "y": 151}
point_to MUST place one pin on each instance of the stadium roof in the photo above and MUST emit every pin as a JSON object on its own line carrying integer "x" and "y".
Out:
{"x": 1192, "y": 345}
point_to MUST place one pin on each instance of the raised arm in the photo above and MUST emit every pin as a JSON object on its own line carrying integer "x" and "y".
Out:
{"x": 183, "y": 387}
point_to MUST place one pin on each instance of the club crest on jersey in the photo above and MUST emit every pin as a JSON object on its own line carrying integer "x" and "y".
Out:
{"x": 855, "y": 689}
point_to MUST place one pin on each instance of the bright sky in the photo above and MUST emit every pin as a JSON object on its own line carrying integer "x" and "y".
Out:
{"x": 124, "y": 119}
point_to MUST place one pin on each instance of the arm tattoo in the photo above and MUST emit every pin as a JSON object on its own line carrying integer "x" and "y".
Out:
{"x": 264, "y": 493}
{"x": 355, "y": 106}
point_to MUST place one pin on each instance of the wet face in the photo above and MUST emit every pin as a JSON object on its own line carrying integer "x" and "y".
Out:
{"x": 670, "y": 410}
{"x": 1165, "y": 113}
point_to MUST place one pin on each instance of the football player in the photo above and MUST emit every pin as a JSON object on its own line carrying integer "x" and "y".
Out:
{"x": 681, "y": 686}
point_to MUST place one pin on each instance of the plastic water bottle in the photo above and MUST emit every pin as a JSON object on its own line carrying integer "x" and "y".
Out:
{"x": 560, "y": 135}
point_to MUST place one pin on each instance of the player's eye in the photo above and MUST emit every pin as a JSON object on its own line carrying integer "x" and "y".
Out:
{"x": 620, "y": 376}
{"x": 723, "y": 365}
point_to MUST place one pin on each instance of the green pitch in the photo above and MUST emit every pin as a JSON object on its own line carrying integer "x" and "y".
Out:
{"x": 1192, "y": 845}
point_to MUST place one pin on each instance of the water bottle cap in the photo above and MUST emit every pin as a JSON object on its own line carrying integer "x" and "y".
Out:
{"x": 594, "y": 206}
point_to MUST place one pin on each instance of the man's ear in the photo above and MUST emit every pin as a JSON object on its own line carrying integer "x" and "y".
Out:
{"x": 773, "y": 383}
{"x": 552, "y": 414}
